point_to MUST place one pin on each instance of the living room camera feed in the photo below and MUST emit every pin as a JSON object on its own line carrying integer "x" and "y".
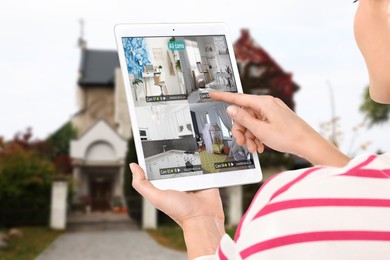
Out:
{"x": 217, "y": 149}
{"x": 177, "y": 69}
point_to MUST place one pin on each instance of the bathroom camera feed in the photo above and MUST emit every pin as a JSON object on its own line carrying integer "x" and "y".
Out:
{"x": 177, "y": 69}
{"x": 183, "y": 132}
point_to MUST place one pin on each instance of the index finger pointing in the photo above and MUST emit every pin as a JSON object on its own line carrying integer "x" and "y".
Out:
{"x": 243, "y": 100}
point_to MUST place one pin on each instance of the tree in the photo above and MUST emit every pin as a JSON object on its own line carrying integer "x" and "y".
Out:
{"x": 375, "y": 113}
{"x": 26, "y": 175}
{"x": 60, "y": 142}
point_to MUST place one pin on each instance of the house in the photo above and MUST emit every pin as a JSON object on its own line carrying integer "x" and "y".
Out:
{"x": 103, "y": 126}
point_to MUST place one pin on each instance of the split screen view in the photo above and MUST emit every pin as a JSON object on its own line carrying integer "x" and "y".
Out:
{"x": 183, "y": 132}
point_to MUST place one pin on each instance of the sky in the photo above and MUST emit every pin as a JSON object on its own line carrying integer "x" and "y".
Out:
{"x": 39, "y": 57}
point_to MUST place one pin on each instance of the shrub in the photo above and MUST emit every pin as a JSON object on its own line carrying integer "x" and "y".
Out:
{"x": 133, "y": 198}
{"x": 25, "y": 185}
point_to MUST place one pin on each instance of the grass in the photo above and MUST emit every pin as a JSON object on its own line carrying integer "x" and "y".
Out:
{"x": 169, "y": 236}
{"x": 172, "y": 236}
{"x": 33, "y": 242}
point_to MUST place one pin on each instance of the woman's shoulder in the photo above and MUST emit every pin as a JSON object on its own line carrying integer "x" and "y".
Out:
{"x": 359, "y": 169}
{"x": 380, "y": 162}
{"x": 366, "y": 165}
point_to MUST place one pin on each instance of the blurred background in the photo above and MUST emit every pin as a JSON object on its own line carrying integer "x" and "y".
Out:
{"x": 56, "y": 53}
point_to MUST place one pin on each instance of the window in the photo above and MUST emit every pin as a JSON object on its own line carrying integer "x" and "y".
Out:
{"x": 193, "y": 54}
{"x": 225, "y": 132}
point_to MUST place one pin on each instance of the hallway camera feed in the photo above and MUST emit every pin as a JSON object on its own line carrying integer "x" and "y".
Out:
{"x": 182, "y": 131}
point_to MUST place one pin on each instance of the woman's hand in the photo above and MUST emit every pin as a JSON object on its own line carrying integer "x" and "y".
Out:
{"x": 198, "y": 213}
{"x": 267, "y": 120}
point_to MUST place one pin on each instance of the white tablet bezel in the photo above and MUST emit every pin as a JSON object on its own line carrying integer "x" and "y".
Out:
{"x": 189, "y": 183}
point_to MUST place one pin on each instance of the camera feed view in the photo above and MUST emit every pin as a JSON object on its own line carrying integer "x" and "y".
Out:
{"x": 217, "y": 149}
{"x": 183, "y": 132}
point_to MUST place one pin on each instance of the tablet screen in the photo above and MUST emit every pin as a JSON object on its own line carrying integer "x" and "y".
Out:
{"x": 182, "y": 131}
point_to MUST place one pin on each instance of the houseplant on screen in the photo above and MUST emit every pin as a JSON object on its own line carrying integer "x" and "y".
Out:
{"x": 135, "y": 82}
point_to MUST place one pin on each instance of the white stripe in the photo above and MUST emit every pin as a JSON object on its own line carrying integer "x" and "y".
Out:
{"x": 325, "y": 250}
{"x": 337, "y": 187}
{"x": 228, "y": 247}
{"x": 268, "y": 190}
{"x": 324, "y": 183}
{"x": 303, "y": 220}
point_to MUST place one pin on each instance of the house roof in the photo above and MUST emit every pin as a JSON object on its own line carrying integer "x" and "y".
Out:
{"x": 97, "y": 67}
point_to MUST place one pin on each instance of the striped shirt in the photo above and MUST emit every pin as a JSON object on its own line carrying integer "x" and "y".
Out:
{"x": 317, "y": 213}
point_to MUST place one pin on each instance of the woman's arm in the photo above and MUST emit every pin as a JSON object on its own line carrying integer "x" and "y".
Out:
{"x": 267, "y": 120}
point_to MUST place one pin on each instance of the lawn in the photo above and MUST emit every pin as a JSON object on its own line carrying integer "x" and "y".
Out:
{"x": 33, "y": 242}
{"x": 172, "y": 236}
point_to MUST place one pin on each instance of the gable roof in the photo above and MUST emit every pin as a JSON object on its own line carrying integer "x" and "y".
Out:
{"x": 97, "y": 67}
{"x": 98, "y": 132}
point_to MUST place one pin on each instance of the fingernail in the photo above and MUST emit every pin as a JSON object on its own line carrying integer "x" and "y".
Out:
{"x": 131, "y": 168}
{"x": 232, "y": 110}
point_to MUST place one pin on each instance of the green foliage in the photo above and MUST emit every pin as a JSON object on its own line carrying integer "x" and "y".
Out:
{"x": 33, "y": 242}
{"x": 136, "y": 82}
{"x": 25, "y": 184}
{"x": 133, "y": 198}
{"x": 60, "y": 140}
{"x": 59, "y": 143}
{"x": 374, "y": 112}
{"x": 178, "y": 65}
{"x": 271, "y": 158}
{"x": 171, "y": 236}
{"x": 23, "y": 172}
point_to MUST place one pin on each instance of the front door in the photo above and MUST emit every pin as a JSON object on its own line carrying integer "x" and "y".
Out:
{"x": 101, "y": 190}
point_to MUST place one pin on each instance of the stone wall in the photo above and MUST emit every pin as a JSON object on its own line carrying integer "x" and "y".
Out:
{"x": 122, "y": 118}
{"x": 95, "y": 103}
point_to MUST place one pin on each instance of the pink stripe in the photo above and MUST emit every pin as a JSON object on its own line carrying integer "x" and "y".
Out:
{"x": 361, "y": 165}
{"x": 314, "y": 237}
{"x": 278, "y": 192}
{"x": 358, "y": 170}
{"x": 221, "y": 255}
{"x": 302, "y": 203}
{"x": 369, "y": 173}
{"x": 288, "y": 185}
{"x": 238, "y": 230}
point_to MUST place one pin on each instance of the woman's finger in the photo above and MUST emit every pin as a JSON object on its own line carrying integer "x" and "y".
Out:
{"x": 249, "y": 142}
{"x": 247, "y": 121}
{"x": 238, "y": 132}
{"x": 143, "y": 185}
{"x": 257, "y": 103}
{"x": 259, "y": 145}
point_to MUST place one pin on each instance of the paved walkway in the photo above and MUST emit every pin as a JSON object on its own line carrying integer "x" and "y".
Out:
{"x": 107, "y": 240}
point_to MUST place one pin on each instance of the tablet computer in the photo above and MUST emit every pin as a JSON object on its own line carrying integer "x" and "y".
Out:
{"x": 183, "y": 138}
